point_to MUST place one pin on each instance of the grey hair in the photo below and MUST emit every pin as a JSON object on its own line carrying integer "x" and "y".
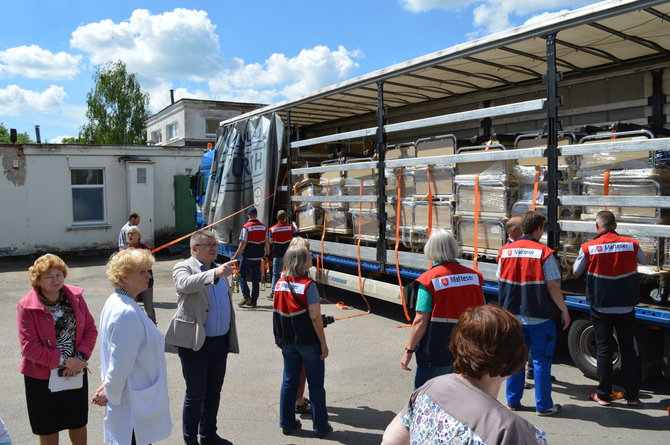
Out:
{"x": 197, "y": 237}
{"x": 296, "y": 261}
{"x": 441, "y": 246}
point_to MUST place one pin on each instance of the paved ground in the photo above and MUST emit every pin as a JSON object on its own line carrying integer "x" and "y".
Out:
{"x": 364, "y": 382}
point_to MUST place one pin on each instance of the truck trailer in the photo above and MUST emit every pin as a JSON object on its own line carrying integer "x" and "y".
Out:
{"x": 567, "y": 116}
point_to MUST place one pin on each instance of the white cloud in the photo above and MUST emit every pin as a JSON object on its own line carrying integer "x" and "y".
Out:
{"x": 494, "y": 15}
{"x": 179, "y": 43}
{"x": 427, "y": 5}
{"x": 282, "y": 77}
{"x": 15, "y": 101}
{"x": 545, "y": 16}
{"x": 160, "y": 95}
{"x": 34, "y": 62}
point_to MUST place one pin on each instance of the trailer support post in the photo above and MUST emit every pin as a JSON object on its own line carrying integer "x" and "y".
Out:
{"x": 381, "y": 179}
{"x": 289, "y": 176}
{"x": 551, "y": 80}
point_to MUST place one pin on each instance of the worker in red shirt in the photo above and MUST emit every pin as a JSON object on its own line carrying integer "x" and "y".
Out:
{"x": 279, "y": 235}
{"x": 612, "y": 289}
{"x": 254, "y": 245}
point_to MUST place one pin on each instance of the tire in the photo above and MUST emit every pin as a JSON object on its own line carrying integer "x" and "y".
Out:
{"x": 582, "y": 347}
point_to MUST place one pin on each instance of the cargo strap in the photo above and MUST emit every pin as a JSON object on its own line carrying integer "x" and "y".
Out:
{"x": 476, "y": 229}
{"x": 535, "y": 187}
{"x": 397, "y": 244}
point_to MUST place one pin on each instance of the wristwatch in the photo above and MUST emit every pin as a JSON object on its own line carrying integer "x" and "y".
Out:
{"x": 409, "y": 350}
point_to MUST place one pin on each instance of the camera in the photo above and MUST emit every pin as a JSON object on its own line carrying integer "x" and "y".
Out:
{"x": 327, "y": 319}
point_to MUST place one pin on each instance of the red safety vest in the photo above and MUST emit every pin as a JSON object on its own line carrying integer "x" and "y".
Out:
{"x": 454, "y": 289}
{"x": 290, "y": 320}
{"x": 281, "y": 235}
{"x": 256, "y": 234}
{"x": 522, "y": 289}
{"x": 611, "y": 278}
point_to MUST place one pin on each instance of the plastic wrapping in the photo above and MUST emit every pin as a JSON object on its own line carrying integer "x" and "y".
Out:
{"x": 353, "y": 188}
{"x": 334, "y": 187}
{"x": 441, "y": 182}
{"x": 564, "y": 212}
{"x": 526, "y": 179}
{"x": 612, "y": 161}
{"x": 407, "y": 183}
{"x": 369, "y": 222}
{"x": 484, "y": 168}
{"x": 337, "y": 221}
{"x": 496, "y": 194}
{"x": 406, "y": 207}
{"x": 308, "y": 187}
{"x": 309, "y": 218}
{"x": 361, "y": 175}
{"x": 491, "y": 234}
{"x": 637, "y": 182}
{"x": 443, "y": 213}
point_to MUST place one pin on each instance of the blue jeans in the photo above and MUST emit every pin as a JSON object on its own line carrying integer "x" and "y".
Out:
{"x": 277, "y": 265}
{"x": 295, "y": 356}
{"x": 203, "y": 372}
{"x": 250, "y": 270}
{"x": 425, "y": 373}
{"x": 541, "y": 341}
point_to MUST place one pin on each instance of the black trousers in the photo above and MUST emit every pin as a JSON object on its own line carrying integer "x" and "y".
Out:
{"x": 624, "y": 324}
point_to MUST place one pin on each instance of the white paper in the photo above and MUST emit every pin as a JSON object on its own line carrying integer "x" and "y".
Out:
{"x": 57, "y": 383}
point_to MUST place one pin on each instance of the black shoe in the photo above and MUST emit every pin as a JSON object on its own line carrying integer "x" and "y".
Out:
{"x": 191, "y": 442}
{"x": 322, "y": 434}
{"x": 291, "y": 429}
{"x": 527, "y": 385}
{"x": 216, "y": 440}
{"x": 516, "y": 407}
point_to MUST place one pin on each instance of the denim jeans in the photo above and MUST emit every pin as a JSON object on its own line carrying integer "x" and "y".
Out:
{"x": 295, "y": 356}
{"x": 277, "y": 265}
{"x": 250, "y": 270}
{"x": 203, "y": 372}
{"x": 604, "y": 325}
{"x": 541, "y": 341}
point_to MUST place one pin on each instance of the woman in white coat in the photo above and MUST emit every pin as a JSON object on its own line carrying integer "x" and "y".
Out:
{"x": 132, "y": 358}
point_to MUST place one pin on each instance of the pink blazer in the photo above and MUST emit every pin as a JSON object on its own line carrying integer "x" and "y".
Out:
{"x": 37, "y": 334}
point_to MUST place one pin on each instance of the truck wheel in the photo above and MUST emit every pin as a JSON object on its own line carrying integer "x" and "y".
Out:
{"x": 582, "y": 346}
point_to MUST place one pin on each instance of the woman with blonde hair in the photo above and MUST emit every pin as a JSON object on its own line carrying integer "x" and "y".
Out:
{"x": 132, "y": 358}
{"x": 299, "y": 332}
{"x": 57, "y": 335}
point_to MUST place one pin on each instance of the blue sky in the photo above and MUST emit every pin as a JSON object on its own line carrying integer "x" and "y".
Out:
{"x": 251, "y": 50}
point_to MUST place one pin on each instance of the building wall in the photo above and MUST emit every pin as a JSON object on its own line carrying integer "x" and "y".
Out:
{"x": 36, "y": 195}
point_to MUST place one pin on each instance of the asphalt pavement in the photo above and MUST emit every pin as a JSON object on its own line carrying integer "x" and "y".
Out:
{"x": 364, "y": 382}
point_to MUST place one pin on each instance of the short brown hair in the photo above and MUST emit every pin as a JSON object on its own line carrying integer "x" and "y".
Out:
{"x": 281, "y": 215}
{"x": 531, "y": 221}
{"x": 44, "y": 263}
{"x": 605, "y": 218}
{"x": 487, "y": 340}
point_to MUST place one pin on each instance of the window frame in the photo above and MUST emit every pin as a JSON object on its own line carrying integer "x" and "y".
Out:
{"x": 174, "y": 124}
{"x": 101, "y": 187}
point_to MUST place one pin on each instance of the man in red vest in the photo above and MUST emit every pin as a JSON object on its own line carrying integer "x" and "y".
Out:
{"x": 280, "y": 235}
{"x": 612, "y": 289}
{"x": 529, "y": 287}
{"x": 254, "y": 245}
{"x": 445, "y": 292}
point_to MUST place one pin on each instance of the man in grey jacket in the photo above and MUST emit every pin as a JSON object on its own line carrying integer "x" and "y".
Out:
{"x": 203, "y": 329}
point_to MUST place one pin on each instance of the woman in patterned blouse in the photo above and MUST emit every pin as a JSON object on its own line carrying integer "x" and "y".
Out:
{"x": 488, "y": 346}
{"x": 57, "y": 335}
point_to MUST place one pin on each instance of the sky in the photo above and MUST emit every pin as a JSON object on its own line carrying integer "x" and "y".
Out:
{"x": 261, "y": 51}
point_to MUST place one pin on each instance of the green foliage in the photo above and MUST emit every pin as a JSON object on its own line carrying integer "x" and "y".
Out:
{"x": 21, "y": 138}
{"x": 71, "y": 140}
{"x": 117, "y": 108}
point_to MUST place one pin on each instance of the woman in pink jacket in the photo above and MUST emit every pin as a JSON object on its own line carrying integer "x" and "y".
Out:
{"x": 57, "y": 335}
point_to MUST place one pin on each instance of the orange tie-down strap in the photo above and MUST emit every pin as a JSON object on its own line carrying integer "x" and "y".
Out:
{"x": 536, "y": 186}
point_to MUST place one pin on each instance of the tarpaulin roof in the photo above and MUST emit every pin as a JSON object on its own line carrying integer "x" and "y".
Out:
{"x": 598, "y": 36}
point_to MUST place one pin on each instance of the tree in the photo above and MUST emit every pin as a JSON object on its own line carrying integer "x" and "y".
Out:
{"x": 21, "y": 138}
{"x": 117, "y": 108}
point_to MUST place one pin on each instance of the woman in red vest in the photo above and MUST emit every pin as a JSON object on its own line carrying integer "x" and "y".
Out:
{"x": 445, "y": 292}
{"x": 299, "y": 332}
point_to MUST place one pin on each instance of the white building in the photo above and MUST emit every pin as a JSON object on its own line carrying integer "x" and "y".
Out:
{"x": 76, "y": 197}
{"x": 192, "y": 121}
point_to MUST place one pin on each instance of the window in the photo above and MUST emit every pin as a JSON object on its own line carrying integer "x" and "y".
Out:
{"x": 88, "y": 189}
{"x": 211, "y": 125}
{"x": 141, "y": 175}
{"x": 157, "y": 136}
{"x": 172, "y": 131}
